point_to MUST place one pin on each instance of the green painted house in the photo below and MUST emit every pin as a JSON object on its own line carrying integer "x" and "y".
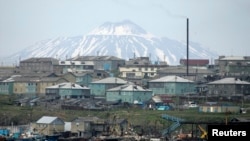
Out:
{"x": 172, "y": 85}
{"x": 6, "y": 86}
{"x": 129, "y": 93}
{"x": 99, "y": 87}
{"x": 83, "y": 79}
{"x": 67, "y": 90}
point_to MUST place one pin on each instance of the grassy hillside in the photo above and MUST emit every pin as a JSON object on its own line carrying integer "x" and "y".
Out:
{"x": 10, "y": 113}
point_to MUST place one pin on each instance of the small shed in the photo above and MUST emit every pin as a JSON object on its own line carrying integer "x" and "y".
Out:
{"x": 84, "y": 126}
{"x": 48, "y": 125}
{"x": 219, "y": 108}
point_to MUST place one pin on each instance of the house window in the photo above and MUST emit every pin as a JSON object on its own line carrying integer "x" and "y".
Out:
{"x": 216, "y": 109}
{"x": 208, "y": 109}
{"x": 167, "y": 91}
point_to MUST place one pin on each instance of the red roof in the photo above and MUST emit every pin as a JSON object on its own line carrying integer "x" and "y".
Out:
{"x": 195, "y": 62}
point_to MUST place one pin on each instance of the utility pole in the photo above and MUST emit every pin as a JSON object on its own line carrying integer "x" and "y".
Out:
{"x": 187, "y": 47}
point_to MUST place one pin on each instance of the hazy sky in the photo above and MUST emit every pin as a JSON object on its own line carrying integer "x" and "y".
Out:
{"x": 221, "y": 25}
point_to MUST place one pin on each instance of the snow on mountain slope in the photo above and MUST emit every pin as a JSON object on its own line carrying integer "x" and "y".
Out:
{"x": 124, "y": 40}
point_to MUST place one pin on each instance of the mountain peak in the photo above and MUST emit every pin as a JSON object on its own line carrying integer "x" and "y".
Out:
{"x": 125, "y": 27}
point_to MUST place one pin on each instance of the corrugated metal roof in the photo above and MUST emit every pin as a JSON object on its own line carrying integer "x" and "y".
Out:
{"x": 41, "y": 59}
{"x": 171, "y": 78}
{"x": 26, "y": 79}
{"x": 233, "y": 58}
{"x": 94, "y": 58}
{"x": 51, "y": 79}
{"x": 67, "y": 85}
{"x": 157, "y": 99}
{"x": 111, "y": 80}
{"x": 128, "y": 87}
{"x": 46, "y": 119}
{"x": 229, "y": 80}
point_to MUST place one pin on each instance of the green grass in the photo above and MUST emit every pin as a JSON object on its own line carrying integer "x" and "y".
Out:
{"x": 136, "y": 116}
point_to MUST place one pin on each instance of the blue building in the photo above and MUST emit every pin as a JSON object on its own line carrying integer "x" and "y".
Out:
{"x": 67, "y": 90}
{"x": 99, "y": 87}
{"x": 129, "y": 93}
{"x": 172, "y": 85}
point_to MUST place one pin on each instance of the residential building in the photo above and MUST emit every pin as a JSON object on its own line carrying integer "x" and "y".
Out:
{"x": 195, "y": 73}
{"x": 32, "y": 85}
{"x": 107, "y": 63}
{"x": 99, "y": 87}
{"x": 129, "y": 93}
{"x": 82, "y": 79}
{"x": 73, "y": 66}
{"x": 172, "y": 85}
{"x": 6, "y": 71}
{"x": 25, "y": 85}
{"x": 7, "y": 85}
{"x": 233, "y": 66}
{"x": 67, "y": 90}
{"x": 139, "y": 70}
{"x": 229, "y": 86}
{"x": 38, "y": 65}
{"x": 100, "y": 74}
{"x": 45, "y": 82}
{"x": 48, "y": 125}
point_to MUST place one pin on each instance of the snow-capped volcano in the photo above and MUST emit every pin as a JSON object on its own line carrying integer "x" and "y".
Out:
{"x": 124, "y": 40}
{"x": 121, "y": 28}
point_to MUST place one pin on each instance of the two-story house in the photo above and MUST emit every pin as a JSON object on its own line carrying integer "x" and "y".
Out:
{"x": 82, "y": 79}
{"x": 172, "y": 85}
{"x": 99, "y": 87}
{"x": 107, "y": 63}
{"x": 229, "y": 87}
{"x": 129, "y": 93}
{"x": 233, "y": 66}
{"x": 25, "y": 84}
{"x": 38, "y": 65}
{"x": 67, "y": 90}
{"x": 73, "y": 66}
